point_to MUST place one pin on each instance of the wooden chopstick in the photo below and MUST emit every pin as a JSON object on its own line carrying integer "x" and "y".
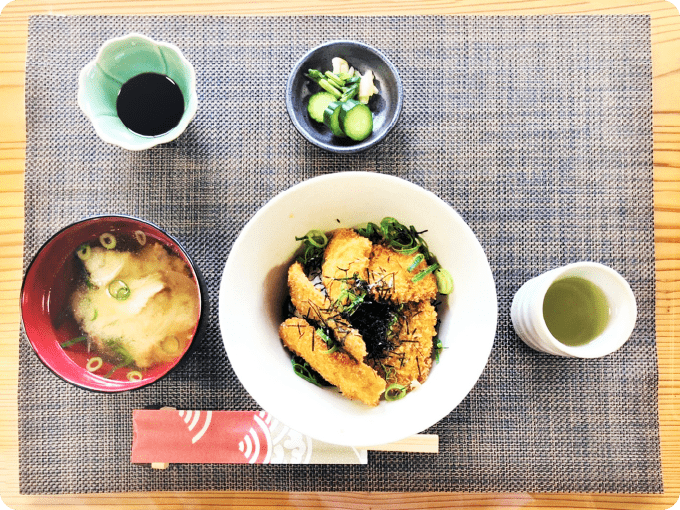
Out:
{"x": 420, "y": 443}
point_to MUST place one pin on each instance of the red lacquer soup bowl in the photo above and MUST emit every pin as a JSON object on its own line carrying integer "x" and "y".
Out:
{"x": 48, "y": 316}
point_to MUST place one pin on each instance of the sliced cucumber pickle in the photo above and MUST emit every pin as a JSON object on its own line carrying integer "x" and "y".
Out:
{"x": 318, "y": 103}
{"x": 356, "y": 120}
{"x": 331, "y": 117}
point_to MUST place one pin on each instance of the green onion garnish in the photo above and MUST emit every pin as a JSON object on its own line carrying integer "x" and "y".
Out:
{"x": 134, "y": 375}
{"x": 354, "y": 296}
{"x": 389, "y": 371}
{"x": 304, "y": 370}
{"x": 315, "y": 237}
{"x": 108, "y": 241}
{"x": 84, "y": 251}
{"x": 141, "y": 237}
{"x": 416, "y": 260}
{"x": 314, "y": 243}
{"x": 329, "y": 343}
{"x": 438, "y": 348}
{"x": 425, "y": 272}
{"x": 395, "y": 392}
{"x": 370, "y": 230}
{"x": 400, "y": 237}
{"x": 73, "y": 341}
{"x": 119, "y": 289}
{"x": 94, "y": 364}
{"x": 123, "y": 355}
{"x": 444, "y": 281}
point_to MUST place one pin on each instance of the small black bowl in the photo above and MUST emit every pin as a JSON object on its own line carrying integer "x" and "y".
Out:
{"x": 386, "y": 106}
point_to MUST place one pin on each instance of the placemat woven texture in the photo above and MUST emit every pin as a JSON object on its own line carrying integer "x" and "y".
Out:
{"x": 537, "y": 130}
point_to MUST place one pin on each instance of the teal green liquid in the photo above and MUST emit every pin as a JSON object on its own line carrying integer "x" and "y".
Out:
{"x": 575, "y": 310}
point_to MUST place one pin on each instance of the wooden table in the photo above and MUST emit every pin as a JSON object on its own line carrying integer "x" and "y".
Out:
{"x": 666, "y": 90}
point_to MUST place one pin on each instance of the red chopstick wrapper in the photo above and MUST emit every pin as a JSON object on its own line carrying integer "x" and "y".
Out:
{"x": 228, "y": 437}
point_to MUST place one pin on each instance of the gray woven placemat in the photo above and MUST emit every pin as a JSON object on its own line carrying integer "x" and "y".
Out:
{"x": 538, "y": 130}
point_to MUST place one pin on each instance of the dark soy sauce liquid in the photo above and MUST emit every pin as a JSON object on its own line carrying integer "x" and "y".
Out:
{"x": 150, "y": 104}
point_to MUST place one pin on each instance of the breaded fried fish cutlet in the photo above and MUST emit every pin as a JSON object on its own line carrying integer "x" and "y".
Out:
{"x": 391, "y": 280}
{"x": 411, "y": 358}
{"x": 345, "y": 256}
{"x": 374, "y": 299}
{"x": 310, "y": 302}
{"x": 355, "y": 379}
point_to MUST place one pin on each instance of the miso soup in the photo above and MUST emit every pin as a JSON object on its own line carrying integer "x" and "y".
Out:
{"x": 135, "y": 302}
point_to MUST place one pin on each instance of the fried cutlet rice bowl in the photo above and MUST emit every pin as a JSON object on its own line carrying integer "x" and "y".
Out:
{"x": 254, "y": 294}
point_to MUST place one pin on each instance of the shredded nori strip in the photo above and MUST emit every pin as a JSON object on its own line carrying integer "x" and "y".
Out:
{"x": 374, "y": 320}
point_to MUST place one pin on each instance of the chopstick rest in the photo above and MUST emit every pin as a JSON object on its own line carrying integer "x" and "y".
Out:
{"x": 165, "y": 436}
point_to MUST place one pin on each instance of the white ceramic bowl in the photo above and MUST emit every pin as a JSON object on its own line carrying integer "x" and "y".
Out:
{"x": 253, "y": 292}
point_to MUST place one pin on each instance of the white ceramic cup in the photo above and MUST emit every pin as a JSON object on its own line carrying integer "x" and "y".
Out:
{"x": 527, "y": 311}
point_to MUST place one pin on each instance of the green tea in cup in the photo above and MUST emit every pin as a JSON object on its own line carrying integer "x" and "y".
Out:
{"x": 580, "y": 310}
{"x": 575, "y": 310}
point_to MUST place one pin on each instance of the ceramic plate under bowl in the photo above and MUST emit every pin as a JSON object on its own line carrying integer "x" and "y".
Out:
{"x": 253, "y": 293}
{"x": 45, "y": 309}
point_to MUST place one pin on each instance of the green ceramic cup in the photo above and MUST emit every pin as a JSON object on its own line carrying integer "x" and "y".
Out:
{"x": 119, "y": 60}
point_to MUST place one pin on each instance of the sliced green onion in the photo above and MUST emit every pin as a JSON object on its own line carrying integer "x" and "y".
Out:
{"x": 329, "y": 343}
{"x": 134, "y": 375}
{"x": 354, "y": 296}
{"x": 444, "y": 281}
{"x": 141, "y": 237}
{"x": 370, "y": 230}
{"x": 316, "y": 238}
{"x": 402, "y": 238}
{"x": 96, "y": 314}
{"x": 438, "y": 348}
{"x": 395, "y": 392}
{"x": 73, "y": 341}
{"x": 389, "y": 371}
{"x": 84, "y": 251}
{"x": 397, "y": 234}
{"x": 331, "y": 350}
{"x": 119, "y": 290}
{"x": 123, "y": 355}
{"x": 108, "y": 241}
{"x": 119, "y": 365}
{"x": 94, "y": 364}
{"x": 425, "y": 272}
{"x": 314, "y": 243}
{"x": 386, "y": 224}
{"x": 303, "y": 370}
{"x": 416, "y": 260}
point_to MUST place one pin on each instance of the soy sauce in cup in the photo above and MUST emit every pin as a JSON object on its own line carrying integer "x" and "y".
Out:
{"x": 150, "y": 104}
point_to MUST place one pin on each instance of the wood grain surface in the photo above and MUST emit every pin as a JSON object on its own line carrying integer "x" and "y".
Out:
{"x": 666, "y": 90}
